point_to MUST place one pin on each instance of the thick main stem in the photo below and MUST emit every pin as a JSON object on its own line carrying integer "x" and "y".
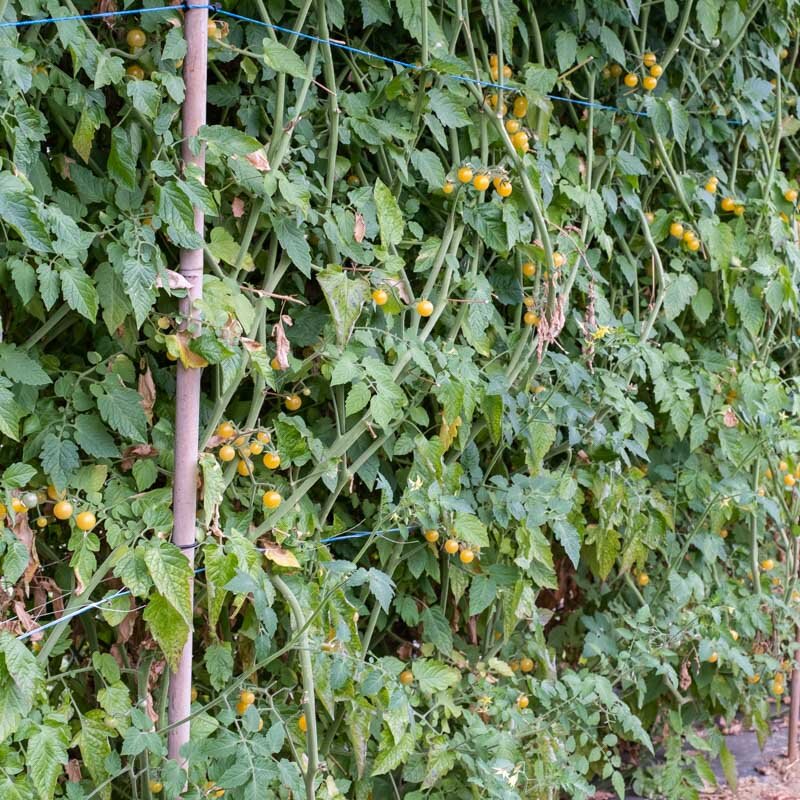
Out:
{"x": 187, "y": 395}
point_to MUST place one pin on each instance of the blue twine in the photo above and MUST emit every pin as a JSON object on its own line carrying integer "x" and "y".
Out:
{"x": 409, "y": 65}
{"x": 76, "y": 612}
{"x": 310, "y": 37}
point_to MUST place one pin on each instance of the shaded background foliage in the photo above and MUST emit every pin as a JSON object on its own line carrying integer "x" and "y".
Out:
{"x": 599, "y": 408}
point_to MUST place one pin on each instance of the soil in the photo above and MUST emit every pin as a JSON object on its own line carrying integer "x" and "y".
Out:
{"x": 763, "y": 774}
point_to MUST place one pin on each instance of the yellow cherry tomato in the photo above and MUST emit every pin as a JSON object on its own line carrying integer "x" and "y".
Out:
{"x": 481, "y": 182}
{"x": 465, "y": 174}
{"x": 226, "y": 430}
{"x": 504, "y": 188}
{"x": 631, "y": 80}
{"x": 86, "y": 520}
{"x": 271, "y": 460}
{"x": 676, "y": 230}
{"x": 293, "y": 402}
{"x": 424, "y": 308}
{"x": 649, "y": 59}
{"x": 62, "y": 510}
{"x": 451, "y": 546}
{"x": 227, "y": 453}
{"x": 271, "y": 499}
{"x": 431, "y": 536}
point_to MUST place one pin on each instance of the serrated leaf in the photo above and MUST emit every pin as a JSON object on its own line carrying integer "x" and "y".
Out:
{"x": 702, "y": 305}
{"x": 18, "y": 366}
{"x": 470, "y": 530}
{"x": 382, "y": 587}
{"x": 122, "y": 159}
{"x": 390, "y": 217}
{"x": 282, "y": 59}
{"x": 612, "y": 44}
{"x": 46, "y": 754}
{"x": 293, "y": 241}
{"x": 357, "y": 398}
{"x": 450, "y": 109}
{"x": 22, "y": 213}
{"x": 168, "y": 628}
{"x": 482, "y": 593}
{"x": 94, "y": 747}
{"x": 432, "y": 676}
{"x": 229, "y": 141}
{"x": 345, "y": 297}
{"x": 750, "y": 310}
{"x": 218, "y": 659}
{"x": 429, "y": 166}
{"x": 79, "y": 291}
{"x": 390, "y": 754}
{"x": 93, "y": 437}
{"x": 60, "y": 459}
{"x": 175, "y": 209}
{"x": 566, "y": 48}
{"x": 437, "y": 629}
{"x": 17, "y": 475}
{"x": 172, "y": 575}
{"x": 680, "y": 291}
{"x": 121, "y": 408}
{"x": 213, "y": 485}
{"x": 708, "y": 16}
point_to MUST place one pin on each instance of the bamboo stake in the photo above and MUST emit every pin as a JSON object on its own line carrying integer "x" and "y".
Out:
{"x": 187, "y": 397}
{"x": 794, "y": 706}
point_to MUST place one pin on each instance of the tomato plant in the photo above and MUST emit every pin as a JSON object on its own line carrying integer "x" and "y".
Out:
{"x": 498, "y": 487}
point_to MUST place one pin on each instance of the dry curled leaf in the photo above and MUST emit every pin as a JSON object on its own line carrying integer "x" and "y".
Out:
{"x": 360, "y": 228}
{"x": 174, "y": 280}
{"x": 280, "y": 556}
{"x": 259, "y": 160}
{"x": 135, "y": 453}
{"x": 147, "y": 391}
{"x": 24, "y": 533}
{"x": 729, "y": 418}
{"x": 282, "y": 346}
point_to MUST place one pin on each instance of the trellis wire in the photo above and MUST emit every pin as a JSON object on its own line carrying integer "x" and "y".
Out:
{"x": 332, "y": 43}
{"x": 76, "y": 612}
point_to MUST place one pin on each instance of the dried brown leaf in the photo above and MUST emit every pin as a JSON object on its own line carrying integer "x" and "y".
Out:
{"x": 147, "y": 391}
{"x": 24, "y": 533}
{"x": 259, "y": 160}
{"x": 282, "y": 346}
{"x": 360, "y": 228}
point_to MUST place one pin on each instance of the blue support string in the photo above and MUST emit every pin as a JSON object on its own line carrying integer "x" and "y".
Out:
{"x": 310, "y": 37}
{"x": 76, "y": 612}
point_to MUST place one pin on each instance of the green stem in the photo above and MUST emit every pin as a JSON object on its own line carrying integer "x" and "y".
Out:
{"x": 304, "y": 654}
{"x": 754, "y": 566}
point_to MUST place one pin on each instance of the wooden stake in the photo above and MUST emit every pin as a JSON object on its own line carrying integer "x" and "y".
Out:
{"x": 794, "y": 705}
{"x": 187, "y": 395}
